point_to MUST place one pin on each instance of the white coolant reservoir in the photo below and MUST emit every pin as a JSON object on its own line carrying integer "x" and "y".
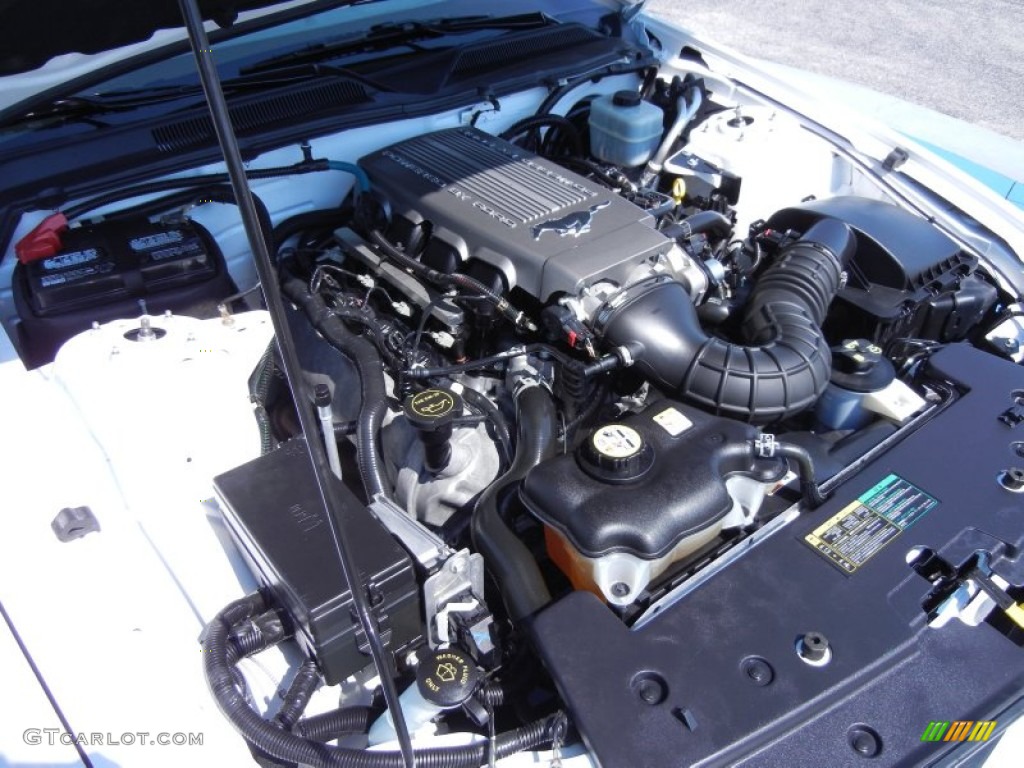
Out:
{"x": 624, "y": 129}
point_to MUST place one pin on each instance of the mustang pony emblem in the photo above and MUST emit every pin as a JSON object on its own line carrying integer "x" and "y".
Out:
{"x": 575, "y": 224}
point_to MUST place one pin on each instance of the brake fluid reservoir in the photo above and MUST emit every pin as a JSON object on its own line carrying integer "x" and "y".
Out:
{"x": 863, "y": 385}
{"x": 624, "y": 129}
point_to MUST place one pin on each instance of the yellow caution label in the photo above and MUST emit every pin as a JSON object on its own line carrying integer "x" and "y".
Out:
{"x": 860, "y": 530}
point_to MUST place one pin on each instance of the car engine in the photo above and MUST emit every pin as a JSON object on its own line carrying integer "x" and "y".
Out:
{"x": 588, "y": 413}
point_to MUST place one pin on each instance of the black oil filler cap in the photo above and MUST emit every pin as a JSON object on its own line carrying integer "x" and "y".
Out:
{"x": 431, "y": 413}
{"x": 447, "y": 678}
{"x": 432, "y": 409}
{"x": 616, "y": 453}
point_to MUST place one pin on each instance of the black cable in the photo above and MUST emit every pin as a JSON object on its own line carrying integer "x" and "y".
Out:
{"x": 258, "y": 242}
{"x": 482, "y": 403}
{"x": 336, "y": 723}
{"x": 189, "y": 182}
{"x": 303, "y": 686}
{"x": 589, "y": 166}
{"x": 456, "y": 279}
{"x": 536, "y": 348}
{"x": 554, "y": 123}
{"x": 555, "y": 95}
{"x": 422, "y": 325}
{"x": 472, "y": 365}
{"x": 369, "y": 366}
{"x": 301, "y": 746}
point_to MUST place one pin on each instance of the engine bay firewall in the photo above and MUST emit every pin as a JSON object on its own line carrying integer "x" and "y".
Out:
{"x": 547, "y": 229}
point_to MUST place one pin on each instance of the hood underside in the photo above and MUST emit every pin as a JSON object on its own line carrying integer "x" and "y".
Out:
{"x": 35, "y": 31}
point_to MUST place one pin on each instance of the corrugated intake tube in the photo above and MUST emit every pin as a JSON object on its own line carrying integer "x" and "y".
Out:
{"x": 786, "y": 367}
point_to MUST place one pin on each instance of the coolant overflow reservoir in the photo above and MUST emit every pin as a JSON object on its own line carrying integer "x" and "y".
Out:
{"x": 641, "y": 494}
{"x": 624, "y": 129}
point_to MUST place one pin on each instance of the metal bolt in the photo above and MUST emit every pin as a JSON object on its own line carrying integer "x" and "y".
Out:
{"x": 620, "y": 589}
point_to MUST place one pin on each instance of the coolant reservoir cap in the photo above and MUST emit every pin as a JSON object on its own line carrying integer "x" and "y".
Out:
{"x": 616, "y": 453}
{"x": 447, "y": 678}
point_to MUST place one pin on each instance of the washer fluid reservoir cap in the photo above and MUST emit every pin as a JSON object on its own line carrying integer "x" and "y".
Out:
{"x": 447, "y": 677}
{"x": 616, "y": 453}
{"x": 626, "y": 99}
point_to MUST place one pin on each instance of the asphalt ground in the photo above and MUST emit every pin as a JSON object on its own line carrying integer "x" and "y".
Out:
{"x": 964, "y": 58}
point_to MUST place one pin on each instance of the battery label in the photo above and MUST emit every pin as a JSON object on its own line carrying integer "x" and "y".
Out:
{"x": 862, "y": 528}
{"x": 73, "y": 259}
{"x": 157, "y": 240}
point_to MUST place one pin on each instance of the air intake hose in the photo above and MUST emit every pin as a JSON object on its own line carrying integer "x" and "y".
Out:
{"x": 788, "y": 368}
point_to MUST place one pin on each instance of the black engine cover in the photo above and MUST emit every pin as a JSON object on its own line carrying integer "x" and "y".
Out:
{"x": 714, "y": 679}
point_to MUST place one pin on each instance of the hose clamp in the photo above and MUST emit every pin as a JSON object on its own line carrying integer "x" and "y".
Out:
{"x": 765, "y": 446}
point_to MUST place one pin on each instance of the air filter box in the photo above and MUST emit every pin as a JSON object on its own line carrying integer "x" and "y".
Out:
{"x": 906, "y": 279}
{"x": 273, "y": 509}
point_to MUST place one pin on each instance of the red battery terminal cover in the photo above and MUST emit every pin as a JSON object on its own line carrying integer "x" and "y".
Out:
{"x": 44, "y": 240}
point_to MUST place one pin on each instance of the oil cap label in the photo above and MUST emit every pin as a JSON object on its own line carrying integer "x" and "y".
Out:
{"x": 862, "y": 528}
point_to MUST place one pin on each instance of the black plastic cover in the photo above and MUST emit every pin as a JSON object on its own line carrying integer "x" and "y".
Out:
{"x": 682, "y": 493}
{"x": 732, "y": 688}
{"x": 277, "y": 519}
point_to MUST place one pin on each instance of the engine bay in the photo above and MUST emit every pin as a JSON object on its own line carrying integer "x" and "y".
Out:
{"x": 618, "y": 419}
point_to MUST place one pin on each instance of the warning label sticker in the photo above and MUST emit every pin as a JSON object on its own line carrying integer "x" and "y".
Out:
{"x": 858, "y": 532}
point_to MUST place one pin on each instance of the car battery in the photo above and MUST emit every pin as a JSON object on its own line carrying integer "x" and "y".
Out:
{"x": 102, "y": 270}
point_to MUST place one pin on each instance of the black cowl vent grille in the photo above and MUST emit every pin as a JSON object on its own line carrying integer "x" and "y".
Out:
{"x": 261, "y": 113}
{"x": 500, "y": 52}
